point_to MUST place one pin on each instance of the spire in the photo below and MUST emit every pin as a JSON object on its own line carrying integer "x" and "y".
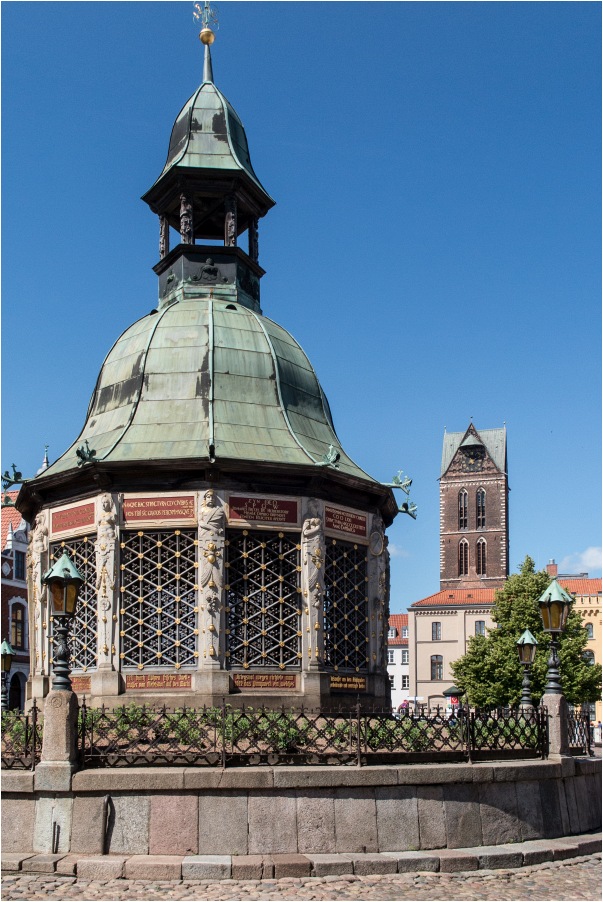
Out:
{"x": 45, "y": 463}
{"x": 208, "y": 72}
{"x": 206, "y": 15}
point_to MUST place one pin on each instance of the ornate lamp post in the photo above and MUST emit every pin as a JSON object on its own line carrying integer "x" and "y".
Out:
{"x": 64, "y": 582}
{"x": 554, "y": 604}
{"x": 7, "y": 653}
{"x": 526, "y": 649}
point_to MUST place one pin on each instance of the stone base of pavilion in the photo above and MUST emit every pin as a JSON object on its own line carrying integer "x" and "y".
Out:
{"x": 309, "y": 811}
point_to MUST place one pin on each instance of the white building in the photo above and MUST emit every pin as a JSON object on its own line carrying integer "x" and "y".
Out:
{"x": 397, "y": 659}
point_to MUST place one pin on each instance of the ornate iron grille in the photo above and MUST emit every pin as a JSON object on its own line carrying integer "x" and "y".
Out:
{"x": 346, "y": 606}
{"x": 22, "y": 738}
{"x": 263, "y": 599}
{"x": 83, "y": 636}
{"x": 158, "y": 599}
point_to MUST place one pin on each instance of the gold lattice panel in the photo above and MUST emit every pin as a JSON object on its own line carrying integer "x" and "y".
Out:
{"x": 83, "y": 635}
{"x": 158, "y": 603}
{"x": 263, "y": 599}
{"x": 346, "y": 606}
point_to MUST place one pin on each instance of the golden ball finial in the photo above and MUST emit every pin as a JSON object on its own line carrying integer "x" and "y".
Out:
{"x": 206, "y": 36}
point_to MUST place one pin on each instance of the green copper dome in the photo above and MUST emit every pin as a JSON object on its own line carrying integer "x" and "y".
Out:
{"x": 204, "y": 379}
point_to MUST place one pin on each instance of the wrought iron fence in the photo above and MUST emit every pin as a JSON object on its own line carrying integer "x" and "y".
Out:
{"x": 579, "y": 732}
{"x": 22, "y": 738}
{"x": 225, "y": 736}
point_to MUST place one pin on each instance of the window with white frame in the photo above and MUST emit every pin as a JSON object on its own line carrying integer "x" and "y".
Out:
{"x": 436, "y": 631}
{"x": 390, "y": 656}
{"x": 391, "y": 681}
{"x": 405, "y": 632}
{"x": 480, "y": 627}
{"x": 391, "y": 633}
{"x": 405, "y": 656}
{"x": 405, "y": 682}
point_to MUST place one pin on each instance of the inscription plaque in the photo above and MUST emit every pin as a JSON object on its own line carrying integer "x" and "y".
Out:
{"x": 80, "y": 683}
{"x": 73, "y": 518}
{"x": 345, "y": 521}
{"x": 265, "y": 680}
{"x": 158, "y": 681}
{"x": 281, "y": 511}
{"x": 158, "y": 509}
{"x": 347, "y": 683}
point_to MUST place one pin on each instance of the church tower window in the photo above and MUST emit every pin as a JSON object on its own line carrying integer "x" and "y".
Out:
{"x": 463, "y": 509}
{"x": 480, "y": 503}
{"x": 463, "y": 557}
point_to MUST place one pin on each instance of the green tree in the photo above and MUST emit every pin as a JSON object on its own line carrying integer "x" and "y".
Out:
{"x": 490, "y": 673}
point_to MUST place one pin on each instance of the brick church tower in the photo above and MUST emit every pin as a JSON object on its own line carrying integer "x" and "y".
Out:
{"x": 474, "y": 511}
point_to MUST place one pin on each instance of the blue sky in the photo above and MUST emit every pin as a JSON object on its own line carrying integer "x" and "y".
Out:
{"x": 435, "y": 247}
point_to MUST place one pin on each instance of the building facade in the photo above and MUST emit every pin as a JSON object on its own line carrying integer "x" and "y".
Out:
{"x": 398, "y": 660}
{"x": 15, "y": 610}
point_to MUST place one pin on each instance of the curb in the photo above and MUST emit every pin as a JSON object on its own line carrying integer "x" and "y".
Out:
{"x": 245, "y": 867}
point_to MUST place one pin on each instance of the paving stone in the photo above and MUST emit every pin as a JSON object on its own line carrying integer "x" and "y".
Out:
{"x": 456, "y": 860}
{"x": 101, "y": 867}
{"x": 12, "y": 861}
{"x": 153, "y": 867}
{"x": 491, "y": 858}
{"x": 206, "y": 867}
{"x": 409, "y": 862}
{"x": 291, "y": 865}
{"x": 373, "y": 863}
{"x": 331, "y": 865}
{"x": 247, "y": 867}
{"x": 43, "y": 864}
{"x": 588, "y": 845}
{"x": 536, "y": 852}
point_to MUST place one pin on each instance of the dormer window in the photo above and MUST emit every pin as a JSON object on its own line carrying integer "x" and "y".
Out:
{"x": 392, "y": 633}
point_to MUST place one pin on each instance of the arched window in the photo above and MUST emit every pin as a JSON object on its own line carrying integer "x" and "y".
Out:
{"x": 589, "y": 630}
{"x": 463, "y": 557}
{"x": 17, "y": 627}
{"x": 463, "y": 509}
{"x": 480, "y": 509}
{"x": 480, "y": 556}
{"x": 437, "y": 667}
{"x": 589, "y": 657}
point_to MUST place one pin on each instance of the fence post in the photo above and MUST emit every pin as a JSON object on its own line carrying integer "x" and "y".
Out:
{"x": 223, "y": 731}
{"x": 470, "y": 734}
{"x": 34, "y": 734}
{"x": 358, "y": 733}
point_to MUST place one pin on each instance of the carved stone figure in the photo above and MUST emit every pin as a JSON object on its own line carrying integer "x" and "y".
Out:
{"x": 105, "y": 546}
{"x": 254, "y": 241}
{"x": 230, "y": 223}
{"x": 211, "y": 545}
{"x": 39, "y": 566}
{"x": 186, "y": 220}
{"x": 313, "y": 563}
{"x": 164, "y": 237}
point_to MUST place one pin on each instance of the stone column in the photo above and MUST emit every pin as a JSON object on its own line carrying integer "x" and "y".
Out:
{"x": 106, "y": 679}
{"x": 313, "y": 585}
{"x": 211, "y": 676}
{"x": 59, "y": 745}
{"x": 556, "y": 706}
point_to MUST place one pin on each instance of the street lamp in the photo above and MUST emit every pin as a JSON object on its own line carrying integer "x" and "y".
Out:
{"x": 64, "y": 581}
{"x": 7, "y": 653}
{"x": 526, "y": 649}
{"x": 554, "y": 604}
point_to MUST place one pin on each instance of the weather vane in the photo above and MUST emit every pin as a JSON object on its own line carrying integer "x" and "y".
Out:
{"x": 208, "y": 16}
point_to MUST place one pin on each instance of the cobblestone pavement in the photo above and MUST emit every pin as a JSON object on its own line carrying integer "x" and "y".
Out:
{"x": 575, "y": 879}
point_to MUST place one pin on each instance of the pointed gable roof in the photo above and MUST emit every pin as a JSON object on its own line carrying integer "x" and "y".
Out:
{"x": 493, "y": 440}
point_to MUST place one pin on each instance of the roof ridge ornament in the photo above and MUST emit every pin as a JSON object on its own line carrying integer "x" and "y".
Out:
{"x": 206, "y": 14}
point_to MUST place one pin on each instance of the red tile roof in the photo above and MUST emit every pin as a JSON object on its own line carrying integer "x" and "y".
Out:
{"x": 397, "y": 621}
{"x": 9, "y": 515}
{"x": 456, "y": 598}
{"x": 581, "y": 586}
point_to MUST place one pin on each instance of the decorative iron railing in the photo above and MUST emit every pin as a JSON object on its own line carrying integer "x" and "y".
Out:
{"x": 22, "y": 738}
{"x": 579, "y": 732}
{"x": 225, "y": 736}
